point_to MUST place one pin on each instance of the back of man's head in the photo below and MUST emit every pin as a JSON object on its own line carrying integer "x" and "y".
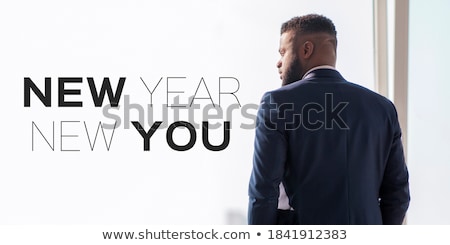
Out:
{"x": 309, "y": 24}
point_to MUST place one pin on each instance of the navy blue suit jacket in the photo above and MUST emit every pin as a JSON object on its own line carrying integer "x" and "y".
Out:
{"x": 337, "y": 148}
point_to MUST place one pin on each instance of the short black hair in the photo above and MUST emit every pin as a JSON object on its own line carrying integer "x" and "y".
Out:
{"x": 307, "y": 24}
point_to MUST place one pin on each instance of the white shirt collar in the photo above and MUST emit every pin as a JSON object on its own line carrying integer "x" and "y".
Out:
{"x": 316, "y": 68}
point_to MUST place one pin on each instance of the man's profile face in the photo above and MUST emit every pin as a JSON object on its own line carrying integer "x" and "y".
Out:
{"x": 289, "y": 65}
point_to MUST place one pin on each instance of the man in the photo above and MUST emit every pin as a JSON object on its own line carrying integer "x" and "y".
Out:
{"x": 334, "y": 145}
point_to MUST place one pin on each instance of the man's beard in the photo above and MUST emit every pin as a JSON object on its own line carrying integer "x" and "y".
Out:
{"x": 293, "y": 73}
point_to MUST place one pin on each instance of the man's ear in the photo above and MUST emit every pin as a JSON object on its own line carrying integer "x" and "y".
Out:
{"x": 307, "y": 49}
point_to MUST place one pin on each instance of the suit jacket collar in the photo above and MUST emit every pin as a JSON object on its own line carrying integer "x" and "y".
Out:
{"x": 316, "y": 68}
{"x": 323, "y": 73}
